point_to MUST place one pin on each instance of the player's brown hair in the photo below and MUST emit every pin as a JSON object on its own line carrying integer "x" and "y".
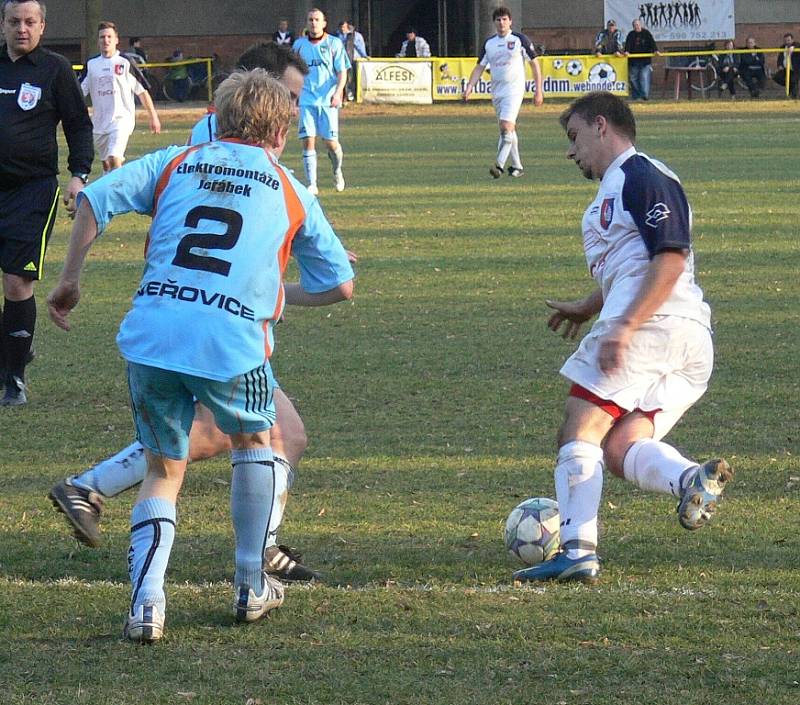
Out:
{"x": 613, "y": 108}
{"x": 501, "y": 11}
{"x": 252, "y": 106}
{"x": 107, "y": 24}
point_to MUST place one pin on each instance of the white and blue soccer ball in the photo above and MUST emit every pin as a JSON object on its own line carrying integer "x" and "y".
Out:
{"x": 602, "y": 72}
{"x": 531, "y": 532}
{"x": 558, "y": 64}
{"x": 574, "y": 67}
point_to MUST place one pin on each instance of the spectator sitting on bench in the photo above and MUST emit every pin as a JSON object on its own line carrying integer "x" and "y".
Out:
{"x": 751, "y": 69}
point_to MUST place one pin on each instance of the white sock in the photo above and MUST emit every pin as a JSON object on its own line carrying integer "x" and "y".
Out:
{"x": 516, "y": 162}
{"x": 579, "y": 486}
{"x": 655, "y": 466}
{"x": 115, "y": 474}
{"x": 284, "y": 478}
{"x": 504, "y": 148}
{"x": 310, "y": 166}
{"x": 336, "y": 157}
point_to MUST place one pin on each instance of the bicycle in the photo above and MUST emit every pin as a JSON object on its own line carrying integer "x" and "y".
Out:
{"x": 197, "y": 75}
{"x": 710, "y": 77}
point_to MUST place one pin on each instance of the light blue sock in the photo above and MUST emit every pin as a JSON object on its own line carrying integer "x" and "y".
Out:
{"x": 115, "y": 474}
{"x": 310, "y": 166}
{"x": 252, "y": 491}
{"x": 152, "y": 534}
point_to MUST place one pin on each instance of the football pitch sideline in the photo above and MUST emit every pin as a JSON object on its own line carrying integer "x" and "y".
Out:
{"x": 431, "y": 403}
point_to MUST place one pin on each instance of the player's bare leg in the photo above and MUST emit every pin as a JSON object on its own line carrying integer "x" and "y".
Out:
{"x": 111, "y": 163}
{"x": 310, "y": 164}
{"x": 336, "y": 156}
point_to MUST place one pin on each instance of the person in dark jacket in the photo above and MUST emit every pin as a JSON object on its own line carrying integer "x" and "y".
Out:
{"x": 751, "y": 68}
{"x": 728, "y": 69}
{"x": 790, "y": 55}
{"x": 640, "y": 69}
{"x": 38, "y": 89}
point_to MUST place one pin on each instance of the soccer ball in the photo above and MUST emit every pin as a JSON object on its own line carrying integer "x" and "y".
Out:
{"x": 558, "y": 64}
{"x": 575, "y": 67}
{"x": 531, "y": 532}
{"x": 602, "y": 72}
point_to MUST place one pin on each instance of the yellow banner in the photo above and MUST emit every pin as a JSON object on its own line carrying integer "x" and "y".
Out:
{"x": 563, "y": 76}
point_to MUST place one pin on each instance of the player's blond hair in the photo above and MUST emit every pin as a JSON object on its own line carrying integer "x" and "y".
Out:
{"x": 252, "y": 106}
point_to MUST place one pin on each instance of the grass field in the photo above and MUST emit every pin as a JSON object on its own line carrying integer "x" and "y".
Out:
{"x": 431, "y": 402}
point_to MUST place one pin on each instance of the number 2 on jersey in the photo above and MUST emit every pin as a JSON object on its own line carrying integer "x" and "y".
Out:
{"x": 184, "y": 257}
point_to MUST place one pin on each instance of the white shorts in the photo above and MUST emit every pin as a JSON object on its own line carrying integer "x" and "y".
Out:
{"x": 113, "y": 143}
{"x": 507, "y": 105}
{"x": 667, "y": 368}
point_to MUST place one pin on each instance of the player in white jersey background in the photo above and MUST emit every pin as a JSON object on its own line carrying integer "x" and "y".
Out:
{"x": 226, "y": 217}
{"x": 505, "y": 54}
{"x": 112, "y": 81}
{"x": 322, "y": 97}
{"x": 648, "y": 357}
{"x": 82, "y": 497}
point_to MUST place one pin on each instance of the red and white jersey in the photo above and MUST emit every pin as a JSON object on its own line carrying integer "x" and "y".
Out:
{"x": 505, "y": 57}
{"x": 640, "y": 210}
{"x": 112, "y": 83}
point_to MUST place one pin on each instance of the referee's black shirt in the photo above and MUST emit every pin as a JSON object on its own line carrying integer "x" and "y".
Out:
{"x": 28, "y": 147}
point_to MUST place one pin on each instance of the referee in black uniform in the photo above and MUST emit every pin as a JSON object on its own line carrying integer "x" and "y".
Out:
{"x": 37, "y": 91}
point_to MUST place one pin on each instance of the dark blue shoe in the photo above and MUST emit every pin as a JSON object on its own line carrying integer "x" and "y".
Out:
{"x": 562, "y": 568}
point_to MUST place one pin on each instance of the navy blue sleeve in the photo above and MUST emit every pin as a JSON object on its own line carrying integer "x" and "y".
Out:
{"x": 139, "y": 76}
{"x": 527, "y": 44}
{"x": 658, "y": 206}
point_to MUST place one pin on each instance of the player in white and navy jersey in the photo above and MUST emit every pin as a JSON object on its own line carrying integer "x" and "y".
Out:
{"x": 226, "y": 218}
{"x": 112, "y": 81}
{"x": 322, "y": 96}
{"x": 505, "y": 54}
{"x": 649, "y": 355}
{"x": 81, "y": 497}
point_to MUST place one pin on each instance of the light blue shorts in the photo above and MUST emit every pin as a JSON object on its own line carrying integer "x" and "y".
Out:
{"x": 163, "y": 405}
{"x": 318, "y": 121}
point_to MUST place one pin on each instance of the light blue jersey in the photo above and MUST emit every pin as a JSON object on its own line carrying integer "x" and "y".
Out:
{"x": 205, "y": 130}
{"x": 326, "y": 58}
{"x": 226, "y": 217}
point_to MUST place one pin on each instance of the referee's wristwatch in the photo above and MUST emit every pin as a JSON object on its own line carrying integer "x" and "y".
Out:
{"x": 83, "y": 177}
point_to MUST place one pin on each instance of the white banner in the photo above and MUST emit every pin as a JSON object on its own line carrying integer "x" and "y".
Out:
{"x": 675, "y": 21}
{"x": 399, "y": 81}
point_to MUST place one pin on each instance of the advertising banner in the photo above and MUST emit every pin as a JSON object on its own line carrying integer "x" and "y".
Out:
{"x": 563, "y": 77}
{"x": 675, "y": 21}
{"x": 394, "y": 81}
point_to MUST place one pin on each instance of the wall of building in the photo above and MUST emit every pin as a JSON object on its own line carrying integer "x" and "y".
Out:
{"x": 226, "y": 28}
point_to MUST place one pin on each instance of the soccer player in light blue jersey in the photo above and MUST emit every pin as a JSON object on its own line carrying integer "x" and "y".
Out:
{"x": 226, "y": 217}
{"x": 322, "y": 96}
{"x": 81, "y": 497}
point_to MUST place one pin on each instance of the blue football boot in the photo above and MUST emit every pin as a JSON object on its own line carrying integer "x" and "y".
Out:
{"x": 702, "y": 494}
{"x": 562, "y": 568}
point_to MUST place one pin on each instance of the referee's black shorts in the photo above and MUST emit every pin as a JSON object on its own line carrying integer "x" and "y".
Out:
{"x": 27, "y": 215}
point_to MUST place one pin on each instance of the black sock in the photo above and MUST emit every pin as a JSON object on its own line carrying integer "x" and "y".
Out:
{"x": 2, "y": 348}
{"x": 19, "y": 321}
